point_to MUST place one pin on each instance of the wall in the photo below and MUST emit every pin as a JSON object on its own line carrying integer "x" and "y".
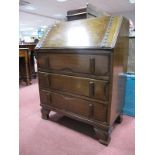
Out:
{"x": 129, "y": 15}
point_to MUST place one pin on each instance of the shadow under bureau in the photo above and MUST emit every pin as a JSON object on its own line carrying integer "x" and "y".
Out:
{"x": 80, "y": 78}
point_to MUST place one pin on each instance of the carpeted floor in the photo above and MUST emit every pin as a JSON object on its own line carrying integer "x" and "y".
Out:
{"x": 64, "y": 136}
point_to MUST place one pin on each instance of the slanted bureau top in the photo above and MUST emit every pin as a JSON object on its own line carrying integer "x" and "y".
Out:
{"x": 101, "y": 32}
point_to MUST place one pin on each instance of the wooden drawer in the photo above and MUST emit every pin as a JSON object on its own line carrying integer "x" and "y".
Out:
{"x": 96, "y": 89}
{"x": 77, "y": 106}
{"x": 75, "y": 63}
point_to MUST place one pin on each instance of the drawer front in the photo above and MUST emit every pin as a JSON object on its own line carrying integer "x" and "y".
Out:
{"x": 100, "y": 112}
{"x": 74, "y": 105}
{"x": 65, "y": 103}
{"x": 75, "y": 63}
{"x": 96, "y": 89}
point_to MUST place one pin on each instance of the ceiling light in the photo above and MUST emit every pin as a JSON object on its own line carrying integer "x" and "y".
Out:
{"x": 58, "y": 15}
{"x": 22, "y": 24}
{"x": 44, "y": 26}
{"x": 61, "y": 0}
{"x": 26, "y": 29}
{"x": 30, "y": 8}
{"x": 39, "y": 21}
{"x": 132, "y": 1}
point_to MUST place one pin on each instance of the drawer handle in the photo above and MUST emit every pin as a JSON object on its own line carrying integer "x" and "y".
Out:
{"x": 90, "y": 110}
{"x": 91, "y": 88}
{"x": 92, "y": 65}
{"x": 106, "y": 91}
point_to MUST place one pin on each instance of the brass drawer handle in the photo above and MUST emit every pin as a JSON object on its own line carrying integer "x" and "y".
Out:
{"x": 106, "y": 91}
{"x": 91, "y": 88}
{"x": 92, "y": 65}
{"x": 90, "y": 110}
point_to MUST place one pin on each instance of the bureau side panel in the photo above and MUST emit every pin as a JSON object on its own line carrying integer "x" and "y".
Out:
{"x": 119, "y": 65}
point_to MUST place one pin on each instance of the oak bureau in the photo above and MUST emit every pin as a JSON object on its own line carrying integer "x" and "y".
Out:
{"x": 79, "y": 63}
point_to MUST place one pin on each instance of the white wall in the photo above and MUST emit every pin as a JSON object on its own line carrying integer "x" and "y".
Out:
{"x": 129, "y": 15}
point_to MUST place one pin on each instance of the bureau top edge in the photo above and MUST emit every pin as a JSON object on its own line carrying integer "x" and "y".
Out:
{"x": 74, "y": 48}
{"x": 78, "y": 51}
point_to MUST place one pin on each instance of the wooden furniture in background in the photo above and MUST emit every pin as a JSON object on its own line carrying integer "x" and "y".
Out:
{"x": 79, "y": 64}
{"x": 31, "y": 47}
{"x": 24, "y": 65}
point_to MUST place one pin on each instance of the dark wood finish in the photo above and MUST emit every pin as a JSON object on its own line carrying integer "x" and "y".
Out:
{"x": 31, "y": 48}
{"x": 76, "y": 85}
{"x": 75, "y": 63}
{"x": 84, "y": 35}
{"x": 119, "y": 65}
{"x": 88, "y": 109}
{"x": 24, "y": 65}
{"x": 45, "y": 113}
{"x": 103, "y": 135}
{"x": 82, "y": 81}
{"x": 119, "y": 119}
